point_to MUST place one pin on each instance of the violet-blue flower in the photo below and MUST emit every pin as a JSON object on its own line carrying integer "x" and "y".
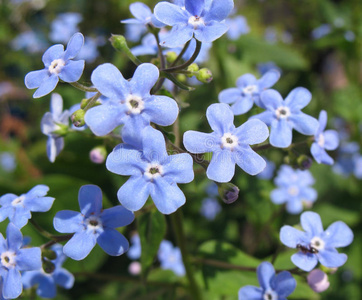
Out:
{"x": 272, "y": 286}
{"x": 285, "y": 115}
{"x": 49, "y": 275}
{"x": 130, "y": 102}
{"x": 14, "y": 259}
{"x": 248, "y": 91}
{"x": 229, "y": 145}
{"x": 195, "y": 19}
{"x": 315, "y": 244}
{"x": 153, "y": 173}
{"x": 143, "y": 15}
{"x": 170, "y": 258}
{"x": 59, "y": 64}
{"x": 93, "y": 225}
{"x": 18, "y": 208}
{"x": 237, "y": 27}
{"x": 54, "y": 124}
{"x": 324, "y": 140}
{"x": 293, "y": 188}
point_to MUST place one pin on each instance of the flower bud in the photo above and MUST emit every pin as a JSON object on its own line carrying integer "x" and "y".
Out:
{"x": 134, "y": 268}
{"x": 204, "y": 75}
{"x": 228, "y": 192}
{"x": 48, "y": 253}
{"x": 304, "y": 162}
{"x": 181, "y": 77}
{"x": 318, "y": 280}
{"x": 48, "y": 266}
{"x": 171, "y": 56}
{"x": 193, "y": 68}
{"x": 98, "y": 155}
{"x": 118, "y": 42}
{"x": 77, "y": 118}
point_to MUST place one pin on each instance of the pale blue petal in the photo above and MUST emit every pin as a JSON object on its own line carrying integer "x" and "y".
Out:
{"x": 280, "y": 133}
{"x": 338, "y": 235}
{"x": 68, "y": 221}
{"x": 242, "y": 106}
{"x": 116, "y": 216}
{"x": 250, "y": 293}
{"x": 294, "y": 206}
{"x": 40, "y": 204}
{"x": 12, "y": 285}
{"x": 249, "y": 161}
{"x": 320, "y": 155}
{"x": 5, "y": 212}
{"x": 162, "y": 110}
{"x": 170, "y": 14}
{"x": 219, "y": 10}
{"x": 178, "y": 36}
{"x": 199, "y": 142}
{"x": 54, "y": 146}
{"x": 246, "y": 80}
{"x": 332, "y": 259}
{"x": 331, "y": 139}
{"x": 133, "y": 126}
{"x": 140, "y": 11}
{"x": 291, "y": 236}
{"x": 271, "y": 99}
{"x": 72, "y": 71}
{"x": 252, "y": 132}
{"x": 133, "y": 193}
{"x": 308, "y": 193}
{"x": 268, "y": 79}
{"x": 306, "y": 262}
{"x": 64, "y": 278}
{"x": 220, "y": 118}
{"x": 154, "y": 145}
{"x": 56, "y": 104}
{"x": 179, "y": 168}
{"x": 90, "y": 200}
{"x": 46, "y": 86}
{"x": 113, "y": 242}
{"x": 39, "y": 190}
{"x": 54, "y": 52}
{"x": 167, "y": 197}
{"x": 80, "y": 245}
{"x": 304, "y": 123}
{"x": 28, "y": 259}
{"x": 279, "y": 196}
{"x": 210, "y": 32}
{"x": 267, "y": 117}
{"x": 265, "y": 273}
{"x": 311, "y": 223}
{"x": 322, "y": 120}
{"x": 195, "y": 7}
{"x": 230, "y": 95}
{"x": 35, "y": 78}
{"x": 221, "y": 167}
{"x": 14, "y": 237}
{"x": 284, "y": 283}
{"x": 298, "y": 99}
{"x": 144, "y": 78}
{"x": 74, "y": 45}
{"x": 46, "y": 287}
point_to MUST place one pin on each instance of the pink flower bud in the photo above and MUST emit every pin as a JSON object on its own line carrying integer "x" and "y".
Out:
{"x": 98, "y": 155}
{"x": 318, "y": 280}
{"x": 134, "y": 268}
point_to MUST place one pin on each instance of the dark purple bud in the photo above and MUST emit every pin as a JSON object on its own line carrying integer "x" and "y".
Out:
{"x": 228, "y": 192}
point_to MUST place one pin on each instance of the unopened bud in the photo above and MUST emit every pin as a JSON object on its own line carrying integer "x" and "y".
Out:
{"x": 318, "y": 280}
{"x": 118, "y": 42}
{"x": 98, "y": 155}
{"x": 304, "y": 162}
{"x": 77, "y": 118}
{"x": 328, "y": 270}
{"x": 48, "y": 267}
{"x": 171, "y": 56}
{"x": 135, "y": 268}
{"x": 62, "y": 129}
{"x": 48, "y": 253}
{"x": 193, "y": 68}
{"x": 181, "y": 77}
{"x": 228, "y": 192}
{"x": 204, "y": 75}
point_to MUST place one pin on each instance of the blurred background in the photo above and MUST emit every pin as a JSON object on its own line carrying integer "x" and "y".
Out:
{"x": 315, "y": 44}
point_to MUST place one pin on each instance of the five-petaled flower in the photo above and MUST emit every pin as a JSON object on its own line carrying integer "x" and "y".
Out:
{"x": 18, "y": 208}
{"x": 285, "y": 115}
{"x": 205, "y": 22}
{"x": 272, "y": 286}
{"x": 229, "y": 145}
{"x": 93, "y": 225}
{"x": 314, "y": 244}
{"x": 59, "y": 64}
{"x": 153, "y": 173}
{"x": 324, "y": 140}
{"x": 170, "y": 258}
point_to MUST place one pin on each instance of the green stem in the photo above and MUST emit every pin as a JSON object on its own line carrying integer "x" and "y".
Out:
{"x": 181, "y": 54}
{"x": 119, "y": 43}
{"x": 92, "y": 101}
{"x": 176, "y": 219}
{"x": 82, "y": 87}
{"x": 42, "y": 231}
{"x": 56, "y": 239}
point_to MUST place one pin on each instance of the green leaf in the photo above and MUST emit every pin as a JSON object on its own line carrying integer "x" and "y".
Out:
{"x": 151, "y": 228}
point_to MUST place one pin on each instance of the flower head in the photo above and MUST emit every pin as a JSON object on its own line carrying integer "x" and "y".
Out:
{"x": 18, "y": 208}
{"x": 170, "y": 258}
{"x": 59, "y": 64}
{"x": 93, "y": 225}
{"x": 248, "y": 91}
{"x": 210, "y": 208}
{"x": 64, "y": 26}
{"x": 229, "y": 145}
{"x": 14, "y": 259}
{"x": 285, "y": 115}
{"x": 315, "y": 244}
{"x": 318, "y": 280}
{"x": 272, "y": 286}
{"x": 142, "y": 15}
{"x": 237, "y": 27}
{"x": 206, "y": 23}
{"x": 134, "y": 251}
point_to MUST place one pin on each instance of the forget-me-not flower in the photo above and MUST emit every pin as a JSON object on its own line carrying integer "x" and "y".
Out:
{"x": 18, "y": 208}
{"x": 134, "y": 251}
{"x": 324, "y": 140}
{"x": 64, "y": 26}
{"x": 7, "y": 161}
{"x": 268, "y": 172}
{"x": 195, "y": 19}
{"x": 170, "y": 258}
{"x": 248, "y": 91}
{"x": 130, "y": 102}
{"x": 14, "y": 259}
{"x": 153, "y": 173}
{"x": 293, "y": 188}
{"x": 93, "y": 225}
{"x": 237, "y": 27}
{"x": 285, "y": 115}
{"x": 229, "y": 145}
{"x": 272, "y": 286}
{"x": 315, "y": 244}
{"x": 53, "y": 124}
{"x": 347, "y": 156}
{"x": 210, "y": 208}
{"x": 59, "y": 64}
{"x": 142, "y": 15}
{"x": 49, "y": 275}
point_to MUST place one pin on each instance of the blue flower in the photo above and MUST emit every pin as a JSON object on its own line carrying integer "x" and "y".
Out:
{"x": 272, "y": 286}
{"x": 324, "y": 140}
{"x": 210, "y": 208}
{"x": 47, "y": 279}
{"x": 237, "y": 27}
{"x": 170, "y": 258}
{"x": 64, "y": 26}
{"x": 7, "y": 161}
{"x": 134, "y": 32}
{"x": 285, "y": 115}
{"x": 89, "y": 51}
{"x": 58, "y": 64}
{"x": 18, "y": 208}
{"x": 212, "y": 190}
{"x": 314, "y": 244}
{"x": 267, "y": 66}
{"x": 14, "y": 260}
{"x": 130, "y": 102}
{"x": 134, "y": 251}
{"x": 29, "y": 41}
{"x": 293, "y": 188}
{"x": 153, "y": 173}
{"x": 268, "y": 172}
{"x": 195, "y": 19}
{"x": 93, "y": 225}
{"x": 229, "y": 145}
{"x": 347, "y": 156}
{"x": 143, "y": 15}
{"x": 54, "y": 124}
{"x": 321, "y": 31}
{"x": 148, "y": 46}
{"x": 248, "y": 91}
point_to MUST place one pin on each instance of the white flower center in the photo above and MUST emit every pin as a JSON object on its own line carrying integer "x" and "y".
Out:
{"x": 8, "y": 259}
{"x": 229, "y": 141}
{"x": 135, "y": 104}
{"x": 282, "y": 112}
{"x": 293, "y": 190}
{"x": 270, "y": 295}
{"x": 56, "y": 66}
{"x": 93, "y": 223}
{"x": 18, "y": 201}
{"x": 153, "y": 171}
{"x": 196, "y": 21}
{"x": 250, "y": 89}
{"x": 317, "y": 243}
{"x": 321, "y": 140}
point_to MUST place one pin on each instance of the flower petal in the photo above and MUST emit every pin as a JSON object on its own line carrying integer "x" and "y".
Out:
{"x": 306, "y": 262}
{"x": 279, "y": 196}
{"x": 230, "y": 95}
{"x": 54, "y": 52}
{"x": 178, "y": 36}
{"x": 194, "y": 7}
{"x": 265, "y": 273}
{"x": 298, "y": 98}
{"x": 250, "y": 293}
{"x": 40, "y": 204}
{"x": 113, "y": 242}
{"x": 331, "y": 139}
{"x": 211, "y": 31}
{"x": 220, "y": 118}
{"x": 284, "y": 284}
{"x": 133, "y": 193}
{"x": 28, "y": 259}
{"x": 271, "y": 99}
{"x": 291, "y": 236}
{"x": 170, "y": 14}
{"x": 199, "y": 142}
{"x": 13, "y": 237}
{"x": 332, "y": 259}
{"x": 246, "y": 80}
{"x": 322, "y": 120}
{"x": 249, "y": 161}
{"x": 74, "y": 45}
{"x": 221, "y": 167}
{"x": 338, "y": 235}
{"x": 252, "y": 132}
{"x": 140, "y": 11}
{"x": 54, "y": 146}
{"x": 304, "y": 123}
{"x": 219, "y": 10}
{"x": 311, "y": 223}
{"x": 179, "y": 168}
{"x": 64, "y": 278}
{"x": 46, "y": 86}
{"x": 144, "y": 78}
{"x": 242, "y": 106}
{"x": 80, "y": 245}
{"x": 268, "y": 79}
{"x": 162, "y": 110}
{"x": 116, "y": 216}
{"x": 280, "y": 133}
{"x": 68, "y": 221}
{"x": 12, "y": 285}
{"x": 72, "y": 71}
{"x": 90, "y": 200}
{"x": 35, "y": 78}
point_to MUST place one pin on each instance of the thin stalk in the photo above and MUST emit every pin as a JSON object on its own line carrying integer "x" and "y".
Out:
{"x": 162, "y": 63}
{"x": 184, "y": 49}
{"x": 57, "y": 239}
{"x": 82, "y": 87}
{"x": 41, "y": 230}
{"x": 92, "y": 101}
